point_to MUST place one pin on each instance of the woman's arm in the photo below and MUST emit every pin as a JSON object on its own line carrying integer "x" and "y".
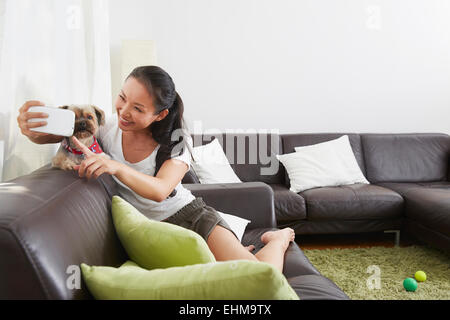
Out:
{"x": 154, "y": 188}
{"x": 50, "y": 138}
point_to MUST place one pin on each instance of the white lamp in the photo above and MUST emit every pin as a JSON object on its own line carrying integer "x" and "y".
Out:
{"x": 137, "y": 53}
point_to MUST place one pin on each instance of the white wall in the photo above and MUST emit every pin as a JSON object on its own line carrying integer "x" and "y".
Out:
{"x": 296, "y": 65}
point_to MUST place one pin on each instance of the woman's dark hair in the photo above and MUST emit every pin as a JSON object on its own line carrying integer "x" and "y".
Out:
{"x": 161, "y": 88}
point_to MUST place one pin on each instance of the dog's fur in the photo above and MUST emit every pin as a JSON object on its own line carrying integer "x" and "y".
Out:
{"x": 88, "y": 119}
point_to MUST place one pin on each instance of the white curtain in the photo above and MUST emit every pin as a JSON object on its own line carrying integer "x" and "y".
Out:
{"x": 54, "y": 51}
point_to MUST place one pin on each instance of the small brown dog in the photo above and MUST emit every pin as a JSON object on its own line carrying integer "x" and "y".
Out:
{"x": 88, "y": 119}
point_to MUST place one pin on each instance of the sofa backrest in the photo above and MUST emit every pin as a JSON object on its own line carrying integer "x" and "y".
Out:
{"x": 252, "y": 155}
{"x": 50, "y": 222}
{"x": 412, "y": 157}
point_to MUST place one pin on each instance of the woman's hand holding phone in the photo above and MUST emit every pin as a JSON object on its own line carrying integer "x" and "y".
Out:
{"x": 24, "y": 116}
{"x": 25, "y": 125}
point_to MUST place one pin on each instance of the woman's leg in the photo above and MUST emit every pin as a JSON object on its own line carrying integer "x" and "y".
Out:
{"x": 224, "y": 245}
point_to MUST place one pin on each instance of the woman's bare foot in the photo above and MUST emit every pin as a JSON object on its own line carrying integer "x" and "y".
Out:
{"x": 285, "y": 235}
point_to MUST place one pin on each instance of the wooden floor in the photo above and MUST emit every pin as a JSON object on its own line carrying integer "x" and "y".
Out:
{"x": 344, "y": 241}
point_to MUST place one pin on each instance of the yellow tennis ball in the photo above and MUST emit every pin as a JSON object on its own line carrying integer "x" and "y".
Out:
{"x": 420, "y": 276}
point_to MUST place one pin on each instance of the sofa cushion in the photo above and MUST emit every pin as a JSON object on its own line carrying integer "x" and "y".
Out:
{"x": 236, "y": 224}
{"x": 325, "y": 164}
{"x": 211, "y": 165}
{"x": 427, "y": 235}
{"x": 155, "y": 244}
{"x": 352, "y": 202}
{"x": 289, "y": 206}
{"x": 402, "y": 187}
{"x": 252, "y": 155}
{"x": 236, "y": 279}
{"x": 292, "y": 140}
{"x": 406, "y": 157}
{"x": 429, "y": 206}
{"x": 340, "y": 226}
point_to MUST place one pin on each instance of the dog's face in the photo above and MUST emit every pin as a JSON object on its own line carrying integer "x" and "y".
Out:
{"x": 88, "y": 118}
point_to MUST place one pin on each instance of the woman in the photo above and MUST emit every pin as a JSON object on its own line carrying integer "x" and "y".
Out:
{"x": 139, "y": 140}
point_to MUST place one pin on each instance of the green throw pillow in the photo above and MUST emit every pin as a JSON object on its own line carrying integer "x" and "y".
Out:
{"x": 229, "y": 280}
{"x": 153, "y": 244}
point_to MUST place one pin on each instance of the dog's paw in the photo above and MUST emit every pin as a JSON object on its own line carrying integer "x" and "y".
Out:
{"x": 65, "y": 165}
{"x": 68, "y": 167}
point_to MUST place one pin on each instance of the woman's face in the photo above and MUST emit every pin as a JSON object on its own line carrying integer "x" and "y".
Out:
{"x": 135, "y": 107}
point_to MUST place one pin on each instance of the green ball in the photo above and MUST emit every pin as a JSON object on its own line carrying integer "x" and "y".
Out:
{"x": 420, "y": 276}
{"x": 410, "y": 284}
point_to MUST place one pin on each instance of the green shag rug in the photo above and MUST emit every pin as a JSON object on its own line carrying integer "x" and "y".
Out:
{"x": 377, "y": 273}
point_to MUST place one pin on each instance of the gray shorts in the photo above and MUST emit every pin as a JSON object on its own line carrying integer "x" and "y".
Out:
{"x": 198, "y": 217}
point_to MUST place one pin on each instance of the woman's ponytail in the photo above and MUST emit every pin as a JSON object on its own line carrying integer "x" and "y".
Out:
{"x": 163, "y": 132}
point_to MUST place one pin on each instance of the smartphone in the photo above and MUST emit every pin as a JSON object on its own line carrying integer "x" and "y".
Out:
{"x": 60, "y": 122}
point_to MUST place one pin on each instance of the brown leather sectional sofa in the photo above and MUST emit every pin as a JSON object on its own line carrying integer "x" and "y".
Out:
{"x": 409, "y": 190}
{"x": 52, "y": 220}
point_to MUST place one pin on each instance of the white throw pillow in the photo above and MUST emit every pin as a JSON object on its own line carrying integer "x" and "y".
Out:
{"x": 211, "y": 164}
{"x": 237, "y": 224}
{"x": 325, "y": 164}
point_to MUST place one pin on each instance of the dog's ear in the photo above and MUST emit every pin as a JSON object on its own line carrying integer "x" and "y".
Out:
{"x": 64, "y": 107}
{"x": 100, "y": 115}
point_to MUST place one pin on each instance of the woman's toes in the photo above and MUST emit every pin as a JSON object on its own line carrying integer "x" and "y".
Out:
{"x": 250, "y": 248}
{"x": 292, "y": 235}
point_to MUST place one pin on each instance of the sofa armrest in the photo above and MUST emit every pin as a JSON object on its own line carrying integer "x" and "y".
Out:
{"x": 190, "y": 177}
{"x": 248, "y": 200}
{"x": 51, "y": 220}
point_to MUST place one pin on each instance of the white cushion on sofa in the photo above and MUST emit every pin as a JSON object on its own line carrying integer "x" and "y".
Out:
{"x": 237, "y": 224}
{"x": 325, "y": 164}
{"x": 211, "y": 164}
